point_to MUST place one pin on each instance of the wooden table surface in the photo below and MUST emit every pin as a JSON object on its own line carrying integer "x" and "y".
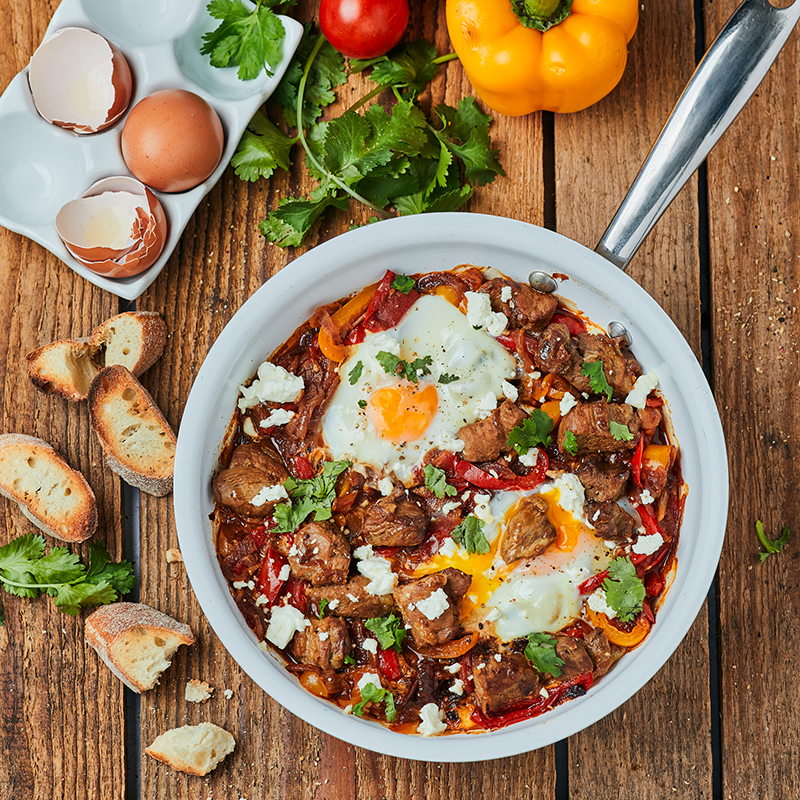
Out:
{"x": 720, "y": 720}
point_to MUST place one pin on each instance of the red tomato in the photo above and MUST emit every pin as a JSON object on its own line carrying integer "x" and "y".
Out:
{"x": 363, "y": 28}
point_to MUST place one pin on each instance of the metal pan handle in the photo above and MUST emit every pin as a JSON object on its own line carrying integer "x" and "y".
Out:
{"x": 723, "y": 82}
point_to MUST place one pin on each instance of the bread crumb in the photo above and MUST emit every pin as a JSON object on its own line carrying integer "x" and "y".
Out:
{"x": 173, "y": 555}
{"x": 228, "y": 694}
{"x": 198, "y": 691}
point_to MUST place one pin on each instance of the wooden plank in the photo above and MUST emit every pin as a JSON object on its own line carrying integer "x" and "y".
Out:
{"x": 635, "y": 752}
{"x": 754, "y": 183}
{"x": 62, "y": 726}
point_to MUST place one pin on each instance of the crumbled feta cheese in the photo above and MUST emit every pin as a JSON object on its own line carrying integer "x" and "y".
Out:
{"x": 249, "y": 429}
{"x": 285, "y": 573}
{"x": 371, "y": 646}
{"x": 377, "y": 569}
{"x": 481, "y": 665}
{"x": 284, "y": 622}
{"x": 482, "y": 510}
{"x": 262, "y": 600}
{"x": 348, "y": 709}
{"x": 323, "y": 636}
{"x": 385, "y": 486}
{"x": 505, "y": 294}
{"x": 244, "y": 584}
{"x": 268, "y": 493}
{"x": 643, "y": 386}
{"x": 448, "y": 547}
{"x": 434, "y": 605}
{"x": 571, "y": 496}
{"x": 273, "y": 384}
{"x": 646, "y": 498}
{"x": 457, "y": 687}
{"x": 585, "y": 395}
{"x": 568, "y": 402}
{"x": 498, "y": 658}
{"x": 365, "y": 551}
{"x": 544, "y": 693}
{"x": 432, "y": 718}
{"x": 510, "y": 391}
{"x": 293, "y": 551}
{"x": 598, "y": 603}
{"x": 451, "y": 506}
{"x": 536, "y": 375}
{"x": 486, "y": 405}
{"x": 530, "y": 458}
{"x": 647, "y": 545}
{"x": 453, "y": 669}
{"x": 352, "y": 598}
{"x": 278, "y": 416}
{"x": 480, "y": 314}
{"x": 493, "y": 615}
{"x": 369, "y": 678}
{"x": 333, "y": 604}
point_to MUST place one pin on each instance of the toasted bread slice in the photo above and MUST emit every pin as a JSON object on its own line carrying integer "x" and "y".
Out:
{"x": 67, "y": 367}
{"x": 135, "y": 641}
{"x": 138, "y": 443}
{"x": 51, "y": 494}
{"x": 195, "y": 749}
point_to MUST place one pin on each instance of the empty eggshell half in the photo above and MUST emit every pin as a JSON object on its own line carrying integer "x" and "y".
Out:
{"x": 79, "y": 81}
{"x": 117, "y": 228}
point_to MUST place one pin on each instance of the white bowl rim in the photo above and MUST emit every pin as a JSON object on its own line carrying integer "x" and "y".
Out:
{"x": 375, "y": 248}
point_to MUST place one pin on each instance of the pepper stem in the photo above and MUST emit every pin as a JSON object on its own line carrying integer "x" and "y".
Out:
{"x": 541, "y": 14}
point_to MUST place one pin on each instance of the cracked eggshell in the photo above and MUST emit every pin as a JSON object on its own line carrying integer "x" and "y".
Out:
{"x": 79, "y": 81}
{"x": 117, "y": 228}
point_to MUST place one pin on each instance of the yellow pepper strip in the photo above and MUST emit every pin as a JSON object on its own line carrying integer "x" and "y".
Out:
{"x": 448, "y": 293}
{"x": 614, "y": 634}
{"x": 553, "y": 410}
{"x": 657, "y": 452}
{"x": 350, "y": 311}
{"x": 564, "y": 63}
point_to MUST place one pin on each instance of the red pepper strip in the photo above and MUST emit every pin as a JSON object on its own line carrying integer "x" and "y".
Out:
{"x": 302, "y": 468}
{"x": 466, "y": 675}
{"x": 648, "y": 612}
{"x": 484, "y": 480}
{"x": 269, "y": 581}
{"x": 381, "y": 293}
{"x": 649, "y": 522}
{"x": 507, "y": 342}
{"x": 389, "y": 664}
{"x": 296, "y": 591}
{"x": 356, "y": 336}
{"x": 385, "y": 552}
{"x": 388, "y": 306}
{"x": 636, "y": 462}
{"x": 654, "y": 402}
{"x": 590, "y": 584}
{"x": 653, "y": 583}
{"x": 578, "y": 630}
{"x": 574, "y": 325}
{"x": 259, "y": 535}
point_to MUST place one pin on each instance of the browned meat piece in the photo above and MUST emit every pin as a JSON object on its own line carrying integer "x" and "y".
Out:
{"x": 502, "y": 684}
{"x": 526, "y": 308}
{"x": 590, "y": 424}
{"x": 573, "y": 653}
{"x": 324, "y": 644}
{"x": 556, "y": 351}
{"x": 395, "y": 522}
{"x": 457, "y": 585}
{"x": 649, "y": 418}
{"x": 253, "y": 467}
{"x": 600, "y": 650}
{"x": 318, "y": 553}
{"x": 443, "y": 627}
{"x": 654, "y": 474}
{"x": 351, "y": 599}
{"x": 619, "y": 366}
{"x": 601, "y": 479}
{"x": 611, "y": 522}
{"x": 486, "y": 439}
{"x": 529, "y": 531}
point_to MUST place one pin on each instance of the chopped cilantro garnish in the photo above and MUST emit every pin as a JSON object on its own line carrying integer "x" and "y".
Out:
{"x": 355, "y": 373}
{"x": 436, "y": 481}
{"x": 619, "y": 431}
{"x": 314, "y": 494}
{"x": 624, "y": 589}
{"x": 469, "y": 534}
{"x": 349, "y": 660}
{"x": 570, "y": 443}
{"x": 388, "y": 630}
{"x": 372, "y": 694}
{"x": 445, "y": 378}
{"x": 771, "y": 545}
{"x": 593, "y": 370}
{"x": 541, "y": 652}
{"x": 394, "y": 365}
{"x": 323, "y": 604}
{"x": 362, "y": 403}
{"x": 389, "y": 361}
{"x": 403, "y": 283}
{"x": 416, "y": 366}
{"x": 535, "y": 430}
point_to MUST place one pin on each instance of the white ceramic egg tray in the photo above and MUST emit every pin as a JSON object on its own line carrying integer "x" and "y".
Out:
{"x": 42, "y": 166}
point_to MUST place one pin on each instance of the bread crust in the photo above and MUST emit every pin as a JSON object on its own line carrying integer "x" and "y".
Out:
{"x": 51, "y": 494}
{"x": 65, "y": 368}
{"x": 149, "y": 333}
{"x": 138, "y": 442}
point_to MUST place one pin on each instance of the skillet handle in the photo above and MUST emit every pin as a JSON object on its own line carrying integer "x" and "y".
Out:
{"x": 723, "y": 82}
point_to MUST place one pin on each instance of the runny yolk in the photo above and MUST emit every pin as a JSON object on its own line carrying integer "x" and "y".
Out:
{"x": 402, "y": 413}
{"x": 568, "y": 529}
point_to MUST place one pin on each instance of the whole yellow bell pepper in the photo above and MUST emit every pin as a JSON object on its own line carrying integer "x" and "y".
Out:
{"x": 527, "y": 55}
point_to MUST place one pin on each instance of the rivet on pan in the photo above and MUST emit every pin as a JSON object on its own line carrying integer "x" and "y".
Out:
{"x": 542, "y": 282}
{"x": 616, "y": 329}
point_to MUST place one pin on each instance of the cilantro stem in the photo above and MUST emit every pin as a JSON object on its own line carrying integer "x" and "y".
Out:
{"x": 42, "y": 585}
{"x": 445, "y": 58}
{"x": 300, "y": 92}
{"x": 366, "y": 98}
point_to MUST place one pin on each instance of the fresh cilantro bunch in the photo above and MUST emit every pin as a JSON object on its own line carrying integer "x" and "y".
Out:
{"x": 389, "y": 631}
{"x": 624, "y": 589}
{"x": 26, "y": 571}
{"x": 436, "y": 481}
{"x": 250, "y": 40}
{"x": 541, "y": 652}
{"x": 469, "y": 534}
{"x": 534, "y": 431}
{"x": 313, "y": 494}
{"x": 771, "y": 545}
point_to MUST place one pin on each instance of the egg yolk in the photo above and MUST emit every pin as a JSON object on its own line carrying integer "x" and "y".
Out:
{"x": 568, "y": 529}
{"x": 402, "y": 413}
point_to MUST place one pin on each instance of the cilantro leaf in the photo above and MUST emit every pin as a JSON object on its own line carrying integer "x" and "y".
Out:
{"x": 412, "y": 68}
{"x": 16, "y": 560}
{"x": 445, "y": 378}
{"x": 541, "y": 652}
{"x": 412, "y": 370}
{"x": 323, "y": 604}
{"x": 251, "y": 40}
{"x": 389, "y": 631}
{"x": 469, "y": 534}
{"x": 2, "y": 617}
{"x": 101, "y": 568}
{"x": 349, "y": 660}
{"x": 312, "y": 494}
{"x": 535, "y": 430}
{"x": 389, "y": 361}
{"x": 403, "y": 283}
{"x": 593, "y": 370}
{"x": 355, "y": 373}
{"x": 436, "y": 481}
{"x": 362, "y": 403}
{"x": 570, "y": 443}
{"x": 262, "y": 149}
{"x": 58, "y": 566}
{"x": 70, "y": 598}
{"x": 619, "y": 431}
{"x": 771, "y": 545}
{"x": 289, "y": 223}
{"x": 372, "y": 694}
{"x": 624, "y": 589}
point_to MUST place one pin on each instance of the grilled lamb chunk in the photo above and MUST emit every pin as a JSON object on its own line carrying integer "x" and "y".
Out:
{"x": 529, "y": 531}
{"x": 526, "y": 308}
{"x": 441, "y": 628}
{"x": 254, "y": 466}
{"x": 620, "y": 367}
{"x": 601, "y": 479}
{"x": 395, "y": 522}
{"x": 324, "y": 644}
{"x": 649, "y": 418}
{"x": 457, "y": 585}
{"x": 317, "y": 553}
{"x": 556, "y": 351}
{"x": 576, "y": 658}
{"x": 590, "y": 424}
{"x": 502, "y": 684}
{"x": 600, "y": 650}
{"x": 611, "y": 522}
{"x": 351, "y": 599}
{"x": 486, "y": 439}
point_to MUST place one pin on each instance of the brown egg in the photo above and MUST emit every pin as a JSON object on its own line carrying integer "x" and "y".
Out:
{"x": 172, "y": 140}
